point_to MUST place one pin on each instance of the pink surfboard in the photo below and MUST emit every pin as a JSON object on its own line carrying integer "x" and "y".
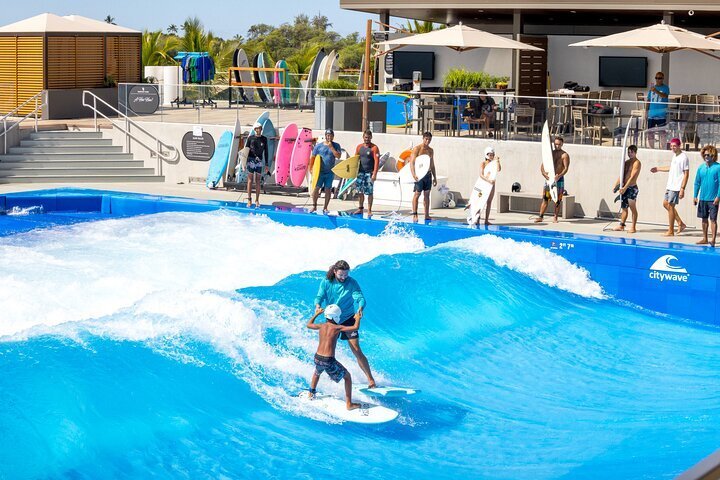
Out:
{"x": 284, "y": 153}
{"x": 301, "y": 156}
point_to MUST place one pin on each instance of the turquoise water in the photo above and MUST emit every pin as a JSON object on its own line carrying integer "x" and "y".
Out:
{"x": 171, "y": 346}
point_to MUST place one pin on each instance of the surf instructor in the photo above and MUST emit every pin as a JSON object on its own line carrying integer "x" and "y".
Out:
{"x": 342, "y": 290}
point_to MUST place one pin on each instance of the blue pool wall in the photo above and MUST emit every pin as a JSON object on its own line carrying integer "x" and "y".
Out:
{"x": 622, "y": 266}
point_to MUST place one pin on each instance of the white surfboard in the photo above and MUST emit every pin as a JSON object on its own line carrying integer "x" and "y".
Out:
{"x": 386, "y": 391}
{"x": 481, "y": 193}
{"x": 422, "y": 167}
{"x": 368, "y": 413}
{"x": 623, "y": 154}
{"x": 547, "y": 161}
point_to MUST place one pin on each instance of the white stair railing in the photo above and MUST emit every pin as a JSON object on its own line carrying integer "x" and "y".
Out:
{"x": 40, "y": 103}
{"x": 162, "y": 150}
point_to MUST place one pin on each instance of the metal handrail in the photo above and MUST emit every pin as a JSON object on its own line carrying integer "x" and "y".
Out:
{"x": 157, "y": 150}
{"x": 12, "y": 113}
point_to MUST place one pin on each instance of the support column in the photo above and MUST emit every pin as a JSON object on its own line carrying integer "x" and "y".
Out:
{"x": 385, "y": 18}
{"x": 516, "y": 30}
{"x": 665, "y": 59}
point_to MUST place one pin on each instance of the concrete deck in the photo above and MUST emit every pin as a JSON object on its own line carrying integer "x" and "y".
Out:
{"x": 651, "y": 232}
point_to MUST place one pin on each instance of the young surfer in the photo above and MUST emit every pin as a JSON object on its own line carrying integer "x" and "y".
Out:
{"x": 257, "y": 158}
{"x": 562, "y": 163}
{"x": 325, "y": 356}
{"x": 425, "y": 184}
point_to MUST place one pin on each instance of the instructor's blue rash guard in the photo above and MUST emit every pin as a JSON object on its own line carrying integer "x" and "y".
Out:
{"x": 707, "y": 182}
{"x": 347, "y": 295}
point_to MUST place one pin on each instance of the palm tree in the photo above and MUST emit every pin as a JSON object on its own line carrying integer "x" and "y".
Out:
{"x": 421, "y": 27}
{"x": 172, "y": 29}
{"x": 300, "y": 63}
{"x": 156, "y": 48}
{"x": 194, "y": 38}
{"x": 110, "y": 20}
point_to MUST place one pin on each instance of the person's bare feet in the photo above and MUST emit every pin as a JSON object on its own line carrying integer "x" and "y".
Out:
{"x": 702, "y": 242}
{"x": 352, "y": 405}
{"x": 372, "y": 384}
{"x": 487, "y": 222}
{"x": 370, "y": 214}
{"x": 631, "y": 230}
{"x": 538, "y": 220}
{"x": 312, "y": 210}
{"x": 619, "y": 228}
{"x": 555, "y": 220}
{"x": 669, "y": 233}
{"x": 359, "y": 211}
{"x": 427, "y": 219}
{"x": 682, "y": 228}
{"x": 415, "y": 218}
{"x": 712, "y": 244}
{"x": 257, "y": 204}
{"x": 249, "y": 205}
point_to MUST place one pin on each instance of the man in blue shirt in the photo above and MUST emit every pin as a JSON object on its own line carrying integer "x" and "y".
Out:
{"x": 329, "y": 151}
{"x": 342, "y": 290}
{"x": 657, "y": 98}
{"x": 707, "y": 193}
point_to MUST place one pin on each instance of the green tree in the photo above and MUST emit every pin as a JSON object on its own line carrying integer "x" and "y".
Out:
{"x": 194, "y": 38}
{"x": 320, "y": 22}
{"x": 421, "y": 27}
{"x": 259, "y": 30}
{"x": 157, "y": 48}
{"x": 172, "y": 29}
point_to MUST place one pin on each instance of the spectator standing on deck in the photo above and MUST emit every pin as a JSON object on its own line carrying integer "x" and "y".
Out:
{"x": 678, "y": 174}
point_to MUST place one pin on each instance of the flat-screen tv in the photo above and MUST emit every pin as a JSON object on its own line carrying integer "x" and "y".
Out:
{"x": 405, "y": 63}
{"x": 623, "y": 72}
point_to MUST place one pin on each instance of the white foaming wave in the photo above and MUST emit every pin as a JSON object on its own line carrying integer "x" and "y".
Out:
{"x": 91, "y": 270}
{"x": 534, "y": 261}
{"x": 233, "y": 325}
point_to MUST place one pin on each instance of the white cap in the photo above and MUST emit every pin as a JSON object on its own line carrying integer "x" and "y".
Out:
{"x": 332, "y": 312}
{"x": 489, "y": 150}
{"x": 257, "y": 125}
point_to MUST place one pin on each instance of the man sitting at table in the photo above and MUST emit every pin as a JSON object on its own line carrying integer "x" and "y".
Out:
{"x": 481, "y": 110}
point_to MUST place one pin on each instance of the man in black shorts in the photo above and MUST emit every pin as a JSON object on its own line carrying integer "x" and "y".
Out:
{"x": 423, "y": 185}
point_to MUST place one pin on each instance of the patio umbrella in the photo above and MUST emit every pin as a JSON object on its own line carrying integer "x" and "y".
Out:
{"x": 660, "y": 38}
{"x": 459, "y": 37}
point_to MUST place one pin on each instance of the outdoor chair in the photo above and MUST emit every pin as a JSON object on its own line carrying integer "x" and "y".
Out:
{"x": 441, "y": 115}
{"x": 615, "y": 97}
{"x": 581, "y": 127}
{"x": 409, "y": 119}
{"x": 640, "y": 98}
{"x": 638, "y": 129}
{"x": 524, "y": 120}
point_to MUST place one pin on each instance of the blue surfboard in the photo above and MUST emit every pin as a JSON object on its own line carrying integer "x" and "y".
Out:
{"x": 219, "y": 160}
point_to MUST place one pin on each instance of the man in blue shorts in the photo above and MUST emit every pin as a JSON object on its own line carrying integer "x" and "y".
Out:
{"x": 367, "y": 173}
{"x": 707, "y": 193}
{"x": 425, "y": 184}
{"x": 329, "y": 151}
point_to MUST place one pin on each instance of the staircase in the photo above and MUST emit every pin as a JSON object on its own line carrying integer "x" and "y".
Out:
{"x": 71, "y": 157}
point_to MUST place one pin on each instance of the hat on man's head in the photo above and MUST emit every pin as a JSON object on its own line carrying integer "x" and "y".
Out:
{"x": 332, "y": 312}
{"x": 329, "y": 131}
{"x": 489, "y": 150}
{"x": 257, "y": 125}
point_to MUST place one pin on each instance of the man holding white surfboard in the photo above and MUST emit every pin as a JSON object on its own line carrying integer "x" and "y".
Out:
{"x": 369, "y": 155}
{"x": 329, "y": 151}
{"x": 561, "y": 162}
{"x": 424, "y": 184}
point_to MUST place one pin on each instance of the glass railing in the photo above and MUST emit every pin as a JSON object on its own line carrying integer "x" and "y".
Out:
{"x": 592, "y": 118}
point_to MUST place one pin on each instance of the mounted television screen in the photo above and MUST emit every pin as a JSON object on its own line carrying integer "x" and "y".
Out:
{"x": 623, "y": 72}
{"x": 405, "y": 63}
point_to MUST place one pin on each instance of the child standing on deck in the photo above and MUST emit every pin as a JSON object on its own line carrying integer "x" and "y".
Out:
{"x": 325, "y": 356}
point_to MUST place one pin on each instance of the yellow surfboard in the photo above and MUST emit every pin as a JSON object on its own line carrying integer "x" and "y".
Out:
{"x": 315, "y": 169}
{"x": 348, "y": 168}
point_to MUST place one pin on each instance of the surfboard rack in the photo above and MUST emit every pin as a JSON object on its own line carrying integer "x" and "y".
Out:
{"x": 233, "y": 83}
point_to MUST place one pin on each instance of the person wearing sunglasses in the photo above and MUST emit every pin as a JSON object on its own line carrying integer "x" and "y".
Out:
{"x": 657, "y": 98}
{"x": 339, "y": 288}
{"x": 707, "y": 193}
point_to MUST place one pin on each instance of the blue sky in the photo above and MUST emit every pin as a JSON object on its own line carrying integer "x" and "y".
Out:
{"x": 225, "y": 19}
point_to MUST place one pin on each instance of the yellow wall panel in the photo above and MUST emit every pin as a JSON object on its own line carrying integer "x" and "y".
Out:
{"x": 61, "y": 62}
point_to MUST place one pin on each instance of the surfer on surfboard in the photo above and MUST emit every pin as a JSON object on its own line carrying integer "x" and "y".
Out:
{"x": 561, "y": 160}
{"x": 325, "y": 356}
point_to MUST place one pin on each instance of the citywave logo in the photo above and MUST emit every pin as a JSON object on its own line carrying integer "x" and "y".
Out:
{"x": 665, "y": 269}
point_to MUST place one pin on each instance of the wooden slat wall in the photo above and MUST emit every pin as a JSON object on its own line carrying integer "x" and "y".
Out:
{"x": 30, "y": 73}
{"x": 8, "y": 74}
{"x": 533, "y": 68}
{"x": 111, "y": 56}
{"x": 89, "y": 65}
{"x": 129, "y": 60}
{"x": 61, "y": 62}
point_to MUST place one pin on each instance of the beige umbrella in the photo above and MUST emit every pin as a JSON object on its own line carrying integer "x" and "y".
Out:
{"x": 459, "y": 37}
{"x": 660, "y": 38}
